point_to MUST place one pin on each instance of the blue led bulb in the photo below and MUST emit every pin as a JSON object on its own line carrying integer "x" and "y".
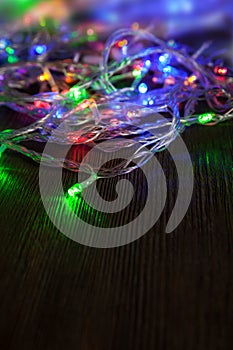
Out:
{"x": 40, "y": 49}
{"x": 3, "y": 43}
{"x": 143, "y": 88}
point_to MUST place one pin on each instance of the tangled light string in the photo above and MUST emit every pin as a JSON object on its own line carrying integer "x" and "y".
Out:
{"x": 170, "y": 87}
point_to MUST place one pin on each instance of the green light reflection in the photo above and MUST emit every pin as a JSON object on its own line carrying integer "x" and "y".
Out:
{"x": 84, "y": 211}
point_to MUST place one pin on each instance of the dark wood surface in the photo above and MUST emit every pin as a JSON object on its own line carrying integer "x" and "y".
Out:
{"x": 171, "y": 291}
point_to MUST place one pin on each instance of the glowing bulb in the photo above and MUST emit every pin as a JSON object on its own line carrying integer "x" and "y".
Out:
{"x": 90, "y": 31}
{"x": 124, "y": 50}
{"x": 58, "y": 114}
{"x": 40, "y": 49}
{"x": 3, "y": 44}
{"x": 205, "y": 118}
{"x": 42, "y": 22}
{"x": 192, "y": 78}
{"x": 220, "y": 70}
{"x": 170, "y": 80}
{"x": 44, "y": 77}
{"x": 122, "y": 43}
{"x": 75, "y": 190}
{"x": 78, "y": 188}
{"x": 164, "y": 59}
{"x": 12, "y": 59}
{"x": 135, "y": 26}
{"x": 167, "y": 69}
{"x": 136, "y": 73}
{"x": 41, "y": 104}
{"x": 70, "y": 77}
{"x": 148, "y": 63}
{"x": 10, "y": 50}
{"x": 74, "y": 93}
{"x": 171, "y": 43}
{"x": 143, "y": 88}
{"x": 91, "y": 34}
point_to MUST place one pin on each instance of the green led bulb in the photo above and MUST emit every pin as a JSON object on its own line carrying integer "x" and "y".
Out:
{"x": 75, "y": 190}
{"x": 74, "y": 93}
{"x": 78, "y": 188}
{"x": 10, "y": 50}
{"x": 205, "y": 117}
{"x": 136, "y": 73}
{"x": 77, "y": 94}
{"x": 12, "y": 59}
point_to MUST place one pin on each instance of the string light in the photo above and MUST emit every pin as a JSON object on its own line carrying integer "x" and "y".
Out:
{"x": 162, "y": 78}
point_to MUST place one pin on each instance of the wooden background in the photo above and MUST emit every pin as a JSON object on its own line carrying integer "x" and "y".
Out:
{"x": 171, "y": 291}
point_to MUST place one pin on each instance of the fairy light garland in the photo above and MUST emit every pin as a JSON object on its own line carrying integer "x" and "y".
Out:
{"x": 95, "y": 104}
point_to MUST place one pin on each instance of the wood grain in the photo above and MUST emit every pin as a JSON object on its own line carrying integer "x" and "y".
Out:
{"x": 163, "y": 291}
